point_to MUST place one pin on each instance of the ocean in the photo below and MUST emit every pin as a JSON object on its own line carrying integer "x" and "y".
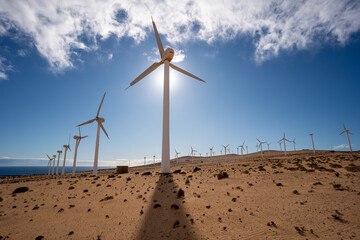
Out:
{"x": 17, "y": 171}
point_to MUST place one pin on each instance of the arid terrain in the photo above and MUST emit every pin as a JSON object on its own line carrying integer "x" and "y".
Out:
{"x": 298, "y": 196}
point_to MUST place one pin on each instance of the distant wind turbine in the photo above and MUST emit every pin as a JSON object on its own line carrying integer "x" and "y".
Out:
{"x": 154, "y": 158}
{"x": 66, "y": 148}
{"x": 57, "y": 166}
{"x": 242, "y": 149}
{"x": 347, "y": 133}
{"x": 260, "y": 146}
{"x": 177, "y": 156}
{"x": 284, "y": 143}
{"x": 268, "y": 144}
{"x": 49, "y": 163}
{"x": 280, "y": 145}
{"x": 211, "y": 152}
{"x": 293, "y": 141}
{"x": 99, "y": 120}
{"x": 192, "y": 154}
{"x": 312, "y": 140}
{"x": 77, "y": 139}
{"x": 166, "y": 57}
{"x": 53, "y": 167}
{"x": 144, "y": 161}
{"x": 247, "y": 150}
{"x": 225, "y": 147}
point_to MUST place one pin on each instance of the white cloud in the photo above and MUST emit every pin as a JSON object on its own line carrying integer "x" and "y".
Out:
{"x": 341, "y": 146}
{"x": 61, "y": 29}
{"x": 110, "y": 56}
{"x": 21, "y": 52}
{"x": 4, "y": 68}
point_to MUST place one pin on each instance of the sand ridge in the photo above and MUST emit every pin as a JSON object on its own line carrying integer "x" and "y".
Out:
{"x": 298, "y": 196}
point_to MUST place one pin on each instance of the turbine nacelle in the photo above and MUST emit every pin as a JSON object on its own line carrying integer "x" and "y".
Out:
{"x": 168, "y": 55}
{"x": 100, "y": 119}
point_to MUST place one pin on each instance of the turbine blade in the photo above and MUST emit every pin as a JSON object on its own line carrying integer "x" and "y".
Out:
{"x": 69, "y": 148}
{"x": 48, "y": 157}
{"x": 342, "y": 132}
{"x": 350, "y": 133}
{"x": 102, "y": 127}
{"x": 79, "y": 132}
{"x": 160, "y": 46}
{"x": 185, "y": 72}
{"x": 100, "y": 105}
{"x": 258, "y": 140}
{"x": 90, "y": 121}
{"x": 84, "y": 137}
{"x": 145, "y": 73}
{"x": 344, "y": 127}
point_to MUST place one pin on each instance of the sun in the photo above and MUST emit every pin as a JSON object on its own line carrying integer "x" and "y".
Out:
{"x": 158, "y": 79}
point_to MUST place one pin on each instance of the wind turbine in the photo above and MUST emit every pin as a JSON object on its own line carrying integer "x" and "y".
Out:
{"x": 260, "y": 145}
{"x": 211, "y": 152}
{"x": 242, "y": 149}
{"x": 294, "y": 144}
{"x": 154, "y": 157}
{"x": 53, "y": 167}
{"x": 177, "y": 156}
{"x": 220, "y": 151}
{"x": 268, "y": 144}
{"x": 66, "y": 148}
{"x": 312, "y": 140}
{"x": 347, "y": 133}
{"x": 280, "y": 145}
{"x": 257, "y": 147}
{"x": 192, "y": 154}
{"x": 57, "y": 166}
{"x": 144, "y": 161}
{"x": 77, "y": 139}
{"x": 99, "y": 120}
{"x": 247, "y": 150}
{"x": 49, "y": 163}
{"x": 284, "y": 143}
{"x": 166, "y": 57}
{"x": 225, "y": 147}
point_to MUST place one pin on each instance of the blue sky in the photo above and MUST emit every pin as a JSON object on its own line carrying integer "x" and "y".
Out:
{"x": 279, "y": 67}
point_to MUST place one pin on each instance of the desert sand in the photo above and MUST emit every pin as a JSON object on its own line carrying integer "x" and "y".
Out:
{"x": 298, "y": 196}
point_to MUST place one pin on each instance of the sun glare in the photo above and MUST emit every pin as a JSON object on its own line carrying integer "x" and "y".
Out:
{"x": 158, "y": 79}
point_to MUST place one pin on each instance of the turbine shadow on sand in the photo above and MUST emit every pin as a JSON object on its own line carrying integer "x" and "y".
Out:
{"x": 161, "y": 222}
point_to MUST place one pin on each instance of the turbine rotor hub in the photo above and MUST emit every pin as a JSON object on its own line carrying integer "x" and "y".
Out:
{"x": 168, "y": 55}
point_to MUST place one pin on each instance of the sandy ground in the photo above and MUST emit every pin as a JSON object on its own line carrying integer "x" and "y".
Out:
{"x": 298, "y": 196}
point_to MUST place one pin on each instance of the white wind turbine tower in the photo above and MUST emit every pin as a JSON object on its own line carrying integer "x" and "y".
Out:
{"x": 225, "y": 147}
{"x": 242, "y": 149}
{"x": 211, "y": 152}
{"x": 284, "y": 143}
{"x": 77, "y": 139}
{"x": 294, "y": 144}
{"x": 166, "y": 57}
{"x": 257, "y": 147}
{"x": 280, "y": 145}
{"x": 66, "y": 148}
{"x": 99, "y": 120}
{"x": 237, "y": 150}
{"x": 57, "y": 166}
{"x": 49, "y": 163}
{"x": 192, "y": 154}
{"x": 268, "y": 144}
{"x": 144, "y": 161}
{"x": 154, "y": 157}
{"x": 347, "y": 133}
{"x": 177, "y": 156}
{"x": 260, "y": 145}
{"x": 312, "y": 140}
{"x": 53, "y": 167}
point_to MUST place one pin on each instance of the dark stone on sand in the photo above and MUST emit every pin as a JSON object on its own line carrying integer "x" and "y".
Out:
{"x": 175, "y": 206}
{"x": 157, "y": 205}
{"x": 71, "y": 187}
{"x": 222, "y": 175}
{"x": 21, "y": 190}
{"x": 107, "y": 198}
{"x": 196, "y": 169}
{"x": 176, "y": 224}
{"x": 146, "y": 174}
{"x": 180, "y": 193}
{"x": 71, "y": 233}
{"x": 38, "y": 237}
